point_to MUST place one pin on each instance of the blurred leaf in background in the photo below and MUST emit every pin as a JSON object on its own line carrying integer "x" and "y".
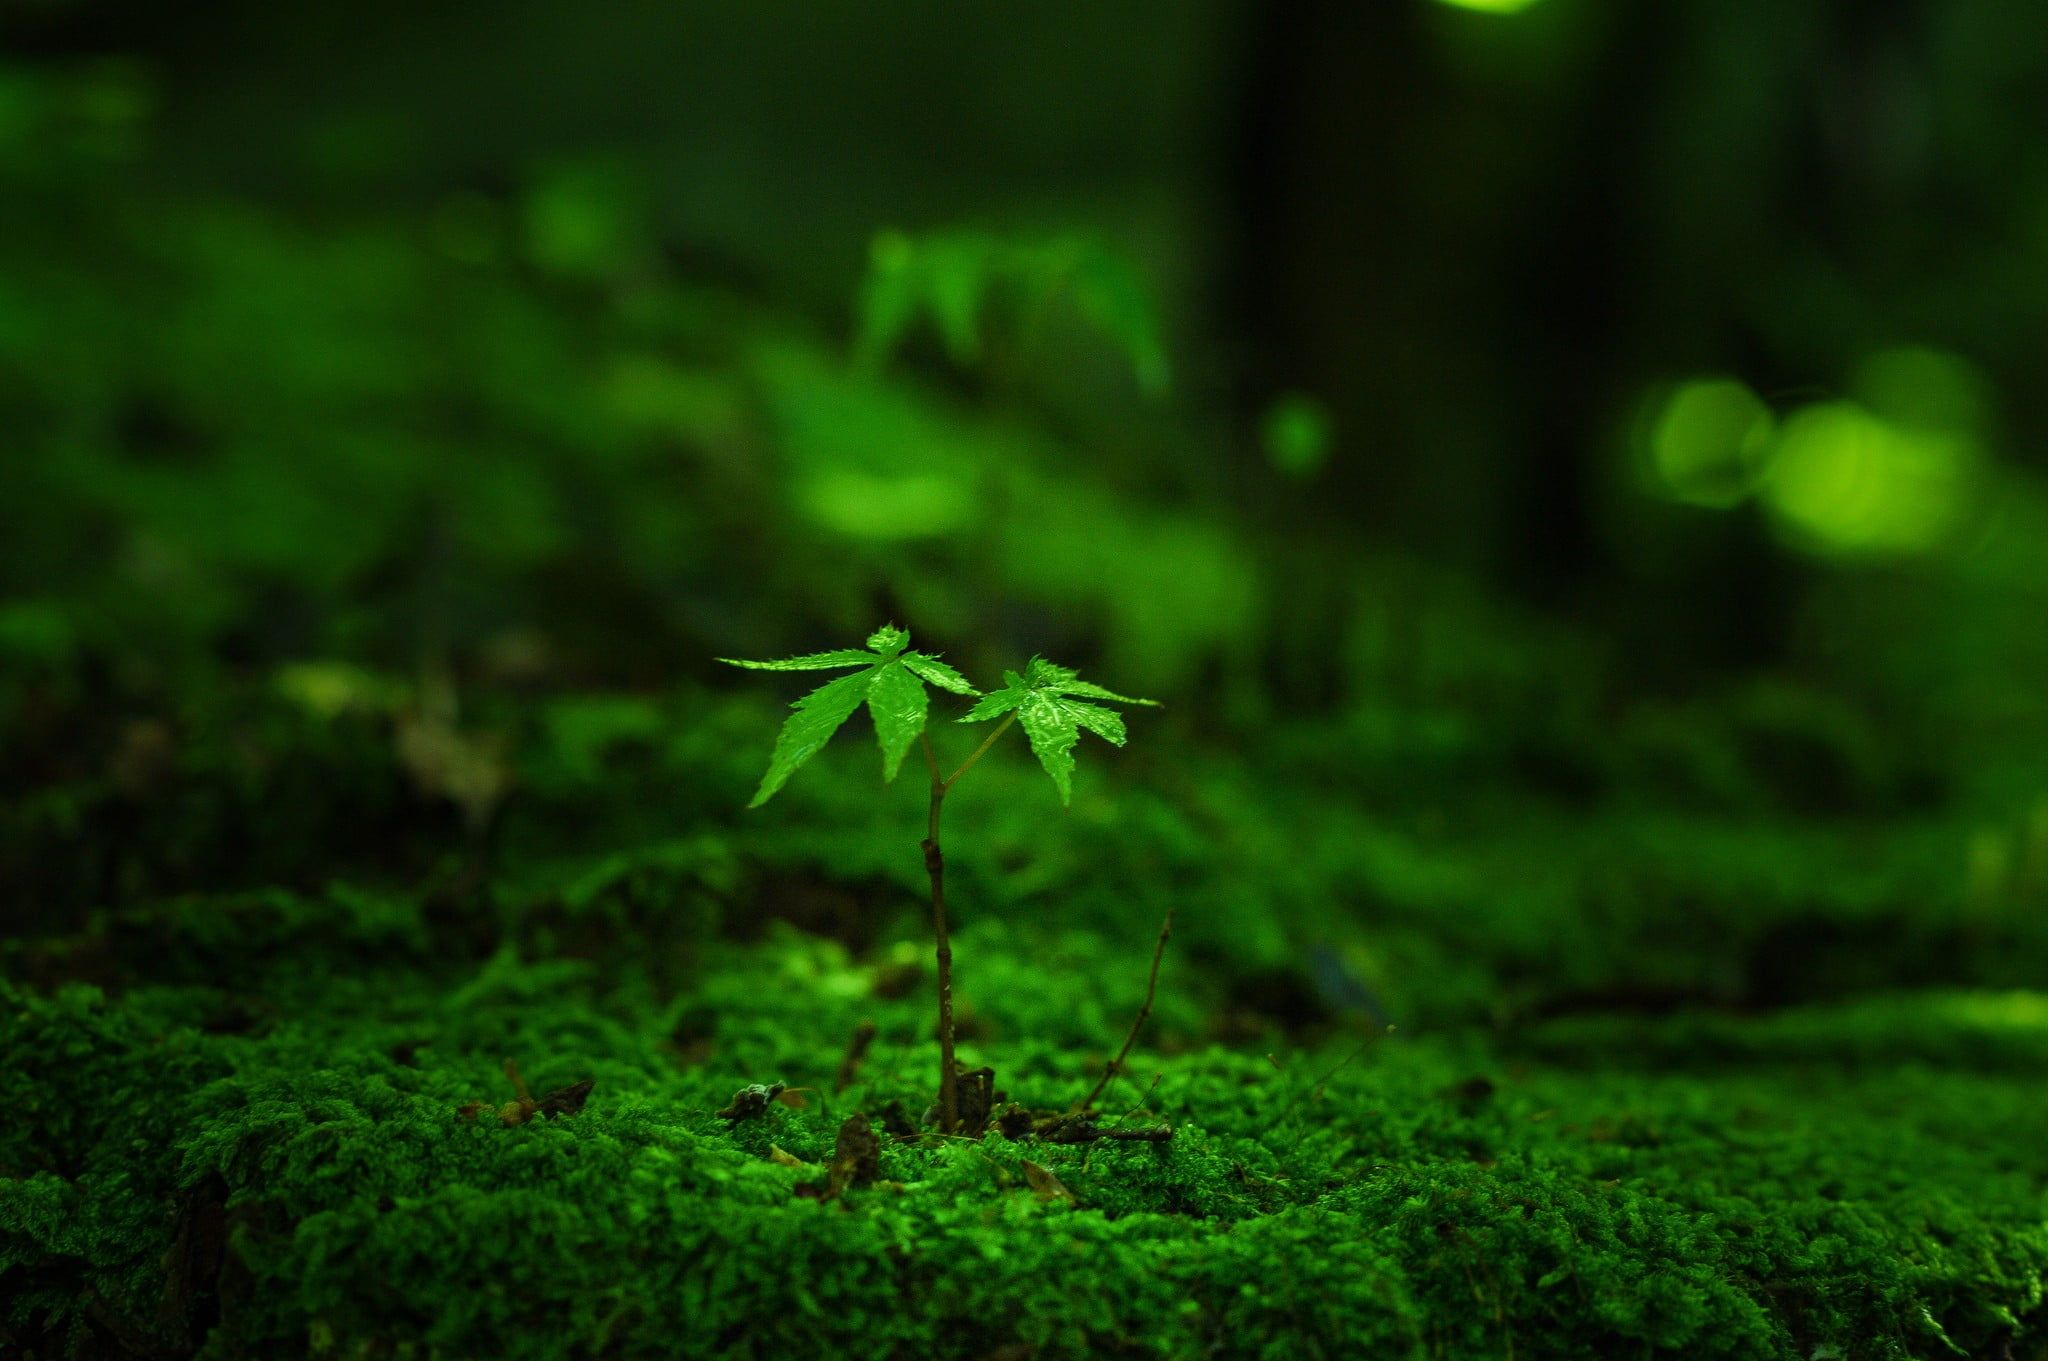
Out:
{"x": 986, "y": 293}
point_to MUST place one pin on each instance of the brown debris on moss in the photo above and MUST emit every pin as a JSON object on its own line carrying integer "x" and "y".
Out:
{"x": 525, "y": 1105}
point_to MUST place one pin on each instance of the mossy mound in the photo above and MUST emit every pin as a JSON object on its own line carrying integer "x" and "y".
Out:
{"x": 303, "y": 1181}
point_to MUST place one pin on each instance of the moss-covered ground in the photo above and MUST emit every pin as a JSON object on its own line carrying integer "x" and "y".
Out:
{"x": 1506, "y": 1063}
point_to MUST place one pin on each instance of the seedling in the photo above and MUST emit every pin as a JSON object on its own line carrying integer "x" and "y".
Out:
{"x": 1050, "y": 703}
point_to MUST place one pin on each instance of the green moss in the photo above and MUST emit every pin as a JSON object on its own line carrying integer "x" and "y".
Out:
{"x": 1427, "y": 1198}
{"x": 1526, "y": 1166}
{"x": 284, "y": 1067}
{"x": 1989, "y": 1032}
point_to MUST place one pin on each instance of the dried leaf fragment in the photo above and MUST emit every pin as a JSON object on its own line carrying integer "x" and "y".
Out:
{"x": 524, "y": 1106}
{"x": 856, "y": 1157}
{"x": 751, "y": 1101}
{"x": 1045, "y": 1185}
{"x": 564, "y": 1100}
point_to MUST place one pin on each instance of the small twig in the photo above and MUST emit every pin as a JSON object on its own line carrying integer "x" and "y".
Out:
{"x": 856, "y": 1052}
{"x": 1316, "y": 1092}
{"x": 1347, "y": 1060}
{"x": 1085, "y": 1132}
{"x": 1145, "y": 1100}
{"x": 1144, "y": 1012}
{"x": 1125, "y": 1117}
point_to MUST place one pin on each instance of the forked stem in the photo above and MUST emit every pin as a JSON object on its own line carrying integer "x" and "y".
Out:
{"x": 977, "y": 754}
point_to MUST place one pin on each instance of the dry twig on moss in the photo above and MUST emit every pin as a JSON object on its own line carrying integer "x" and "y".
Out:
{"x": 1110, "y": 1069}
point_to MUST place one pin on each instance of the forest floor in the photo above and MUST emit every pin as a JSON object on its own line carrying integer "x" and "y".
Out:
{"x": 1615, "y": 1082}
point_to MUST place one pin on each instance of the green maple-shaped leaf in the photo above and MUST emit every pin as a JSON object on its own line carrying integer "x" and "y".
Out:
{"x": 1048, "y": 701}
{"x": 890, "y": 681}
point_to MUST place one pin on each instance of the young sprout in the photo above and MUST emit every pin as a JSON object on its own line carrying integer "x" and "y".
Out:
{"x": 1052, "y": 704}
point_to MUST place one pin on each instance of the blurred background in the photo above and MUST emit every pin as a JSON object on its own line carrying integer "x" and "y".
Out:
{"x": 1573, "y": 471}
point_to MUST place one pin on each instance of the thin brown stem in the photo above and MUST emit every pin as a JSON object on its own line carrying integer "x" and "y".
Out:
{"x": 935, "y": 867}
{"x": 1144, "y": 1101}
{"x": 1109, "y": 1069}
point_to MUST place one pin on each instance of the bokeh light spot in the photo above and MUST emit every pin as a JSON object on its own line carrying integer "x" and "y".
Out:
{"x": 1849, "y": 483}
{"x": 1709, "y": 442}
{"x": 1930, "y": 389}
{"x": 1296, "y": 435}
{"x": 1492, "y": 6}
{"x": 870, "y": 506}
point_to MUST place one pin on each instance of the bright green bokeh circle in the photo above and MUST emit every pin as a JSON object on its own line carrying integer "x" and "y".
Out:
{"x": 1492, "y": 6}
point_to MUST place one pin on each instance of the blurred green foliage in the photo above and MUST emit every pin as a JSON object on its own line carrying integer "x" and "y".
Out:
{"x": 508, "y": 427}
{"x": 972, "y": 283}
